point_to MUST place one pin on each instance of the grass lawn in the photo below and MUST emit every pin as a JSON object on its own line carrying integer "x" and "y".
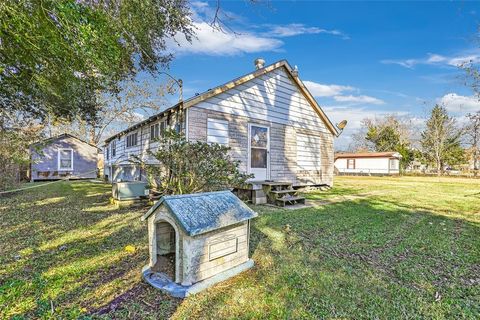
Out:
{"x": 370, "y": 248}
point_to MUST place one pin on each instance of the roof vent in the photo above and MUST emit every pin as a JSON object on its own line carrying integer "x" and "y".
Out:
{"x": 259, "y": 63}
{"x": 295, "y": 71}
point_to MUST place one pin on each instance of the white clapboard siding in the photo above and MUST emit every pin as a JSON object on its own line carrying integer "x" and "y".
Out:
{"x": 217, "y": 131}
{"x": 308, "y": 152}
{"x": 272, "y": 97}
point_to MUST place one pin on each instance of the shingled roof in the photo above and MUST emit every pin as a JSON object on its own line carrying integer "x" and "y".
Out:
{"x": 203, "y": 212}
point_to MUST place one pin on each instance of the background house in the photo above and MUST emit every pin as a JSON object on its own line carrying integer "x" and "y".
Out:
{"x": 385, "y": 163}
{"x": 63, "y": 156}
{"x": 268, "y": 118}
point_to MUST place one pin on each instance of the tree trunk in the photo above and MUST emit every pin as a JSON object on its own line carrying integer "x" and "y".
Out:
{"x": 439, "y": 167}
{"x": 475, "y": 162}
{"x": 93, "y": 138}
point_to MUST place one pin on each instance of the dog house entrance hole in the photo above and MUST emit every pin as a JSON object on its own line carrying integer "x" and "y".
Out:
{"x": 165, "y": 249}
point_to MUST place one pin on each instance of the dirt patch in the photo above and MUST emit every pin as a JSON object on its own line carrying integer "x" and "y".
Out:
{"x": 165, "y": 264}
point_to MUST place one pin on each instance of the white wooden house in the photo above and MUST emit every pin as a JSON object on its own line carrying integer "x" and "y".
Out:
{"x": 366, "y": 163}
{"x": 268, "y": 118}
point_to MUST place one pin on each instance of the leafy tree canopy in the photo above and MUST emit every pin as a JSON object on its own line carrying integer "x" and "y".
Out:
{"x": 55, "y": 55}
{"x": 389, "y": 134}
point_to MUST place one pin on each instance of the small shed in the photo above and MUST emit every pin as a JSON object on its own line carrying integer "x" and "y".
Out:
{"x": 63, "y": 156}
{"x": 197, "y": 240}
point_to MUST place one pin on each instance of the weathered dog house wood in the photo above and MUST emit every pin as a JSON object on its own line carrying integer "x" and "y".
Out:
{"x": 207, "y": 233}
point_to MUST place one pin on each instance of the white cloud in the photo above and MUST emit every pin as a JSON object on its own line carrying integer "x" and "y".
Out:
{"x": 337, "y": 92}
{"x": 359, "y": 99}
{"x": 354, "y": 116}
{"x": 213, "y": 42}
{"x": 235, "y": 35}
{"x": 295, "y": 29}
{"x": 326, "y": 90}
{"x": 458, "y": 103}
{"x": 436, "y": 59}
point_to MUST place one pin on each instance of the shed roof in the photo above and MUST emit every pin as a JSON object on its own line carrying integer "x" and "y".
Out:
{"x": 61, "y": 136}
{"x": 199, "y": 213}
{"x": 391, "y": 154}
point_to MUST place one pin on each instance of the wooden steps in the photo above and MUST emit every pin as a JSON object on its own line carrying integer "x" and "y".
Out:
{"x": 288, "y": 191}
{"x": 281, "y": 194}
{"x": 276, "y": 184}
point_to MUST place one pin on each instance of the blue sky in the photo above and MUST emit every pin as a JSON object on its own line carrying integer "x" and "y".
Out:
{"x": 360, "y": 59}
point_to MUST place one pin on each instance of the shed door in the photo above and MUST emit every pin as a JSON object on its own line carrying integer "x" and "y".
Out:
{"x": 259, "y": 151}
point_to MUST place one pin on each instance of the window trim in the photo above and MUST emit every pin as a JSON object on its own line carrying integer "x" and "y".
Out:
{"x": 393, "y": 161}
{"x": 59, "y": 162}
{"x": 113, "y": 147}
{"x": 131, "y": 145}
{"x": 155, "y": 131}
{"x": 348, "y": 161}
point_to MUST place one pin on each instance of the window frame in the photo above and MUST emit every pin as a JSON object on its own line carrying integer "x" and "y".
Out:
{"x": 348, "y": 163}
{"x": 113, "y": 147}
{"x": 394, "y": 162}
{"x": 59, "y": 151}
{"x": 155, "y": 131}
{"x": 129, "y": 140}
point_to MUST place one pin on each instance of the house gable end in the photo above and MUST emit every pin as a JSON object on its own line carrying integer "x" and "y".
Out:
{"x": 274, "y": 96}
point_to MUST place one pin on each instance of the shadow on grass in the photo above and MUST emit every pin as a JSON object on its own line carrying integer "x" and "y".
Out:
{"x": 365, "y": 258}
{"x": 356, "y": 259}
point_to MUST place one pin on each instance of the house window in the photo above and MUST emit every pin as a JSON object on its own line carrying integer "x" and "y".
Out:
{"x": 163, "y": 126}
{"x": 114, "y": 148}
{"x": 132, "y": 139}
{"x": 309, "y": 153}
{"x": 107, "y": 153}
{"x": 65, "y": 159}
{"x": 393, "y": 164}
{"x": 217, "y": 131}
{"x": 154, "y": 131}
{"x": 157, "y": 130}
{"x": 350, "y": 163}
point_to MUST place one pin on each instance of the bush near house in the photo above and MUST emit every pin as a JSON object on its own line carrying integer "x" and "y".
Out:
{"x": 191, "y": 166}
{"x": 386, "y": 248}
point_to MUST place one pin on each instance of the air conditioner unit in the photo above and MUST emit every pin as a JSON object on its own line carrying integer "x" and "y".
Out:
{"x": 129, "y": 190}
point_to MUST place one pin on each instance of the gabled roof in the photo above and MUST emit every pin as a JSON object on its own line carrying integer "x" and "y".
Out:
{"x": 199, "y": 213}
{"x": 60, "y": 136}
{"x": 234, "y": 83}
{"x": 391, "y": 154}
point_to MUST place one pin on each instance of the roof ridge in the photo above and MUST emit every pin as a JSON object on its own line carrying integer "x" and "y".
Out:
{"x": 189, "y": 195}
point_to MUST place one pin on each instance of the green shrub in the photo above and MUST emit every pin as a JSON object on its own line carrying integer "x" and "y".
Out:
{"x": 191, "y": 166}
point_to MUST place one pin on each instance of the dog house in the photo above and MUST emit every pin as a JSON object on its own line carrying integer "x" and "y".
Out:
{"x": 197, "y": 240}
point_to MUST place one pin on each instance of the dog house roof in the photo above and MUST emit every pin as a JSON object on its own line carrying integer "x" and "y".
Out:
{"x": 203, "y": 212}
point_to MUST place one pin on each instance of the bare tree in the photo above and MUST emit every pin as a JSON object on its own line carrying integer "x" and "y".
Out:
{"x": 472, "y": 133}
{"x": 17, "y": 132}
{"x": 116, "y": 112}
